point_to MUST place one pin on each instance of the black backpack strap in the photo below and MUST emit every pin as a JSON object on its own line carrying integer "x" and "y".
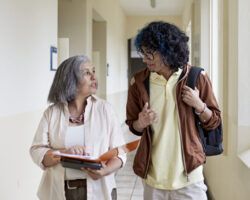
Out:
{"x": 192, "y": 76}
{"x": 191, "y": 82}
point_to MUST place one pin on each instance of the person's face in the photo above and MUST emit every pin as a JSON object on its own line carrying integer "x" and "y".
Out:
{"x": 152, "y": 59}
{"x": 88, "y": 83}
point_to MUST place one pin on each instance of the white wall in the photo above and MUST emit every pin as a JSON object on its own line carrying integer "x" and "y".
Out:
{"x": 63, "y": 49}
{"x": 204, "y": 34}
{"x": 187, "y": 13}
{"x": 228, "y": 177}
{"x": 28, "y": 29}
{"x": 75, "y": 23}
{"x": 115, "y": 18}
{"x": 243, "y": 61}
{"x": 100, "y": 46}
{"x": 112, "y": 13}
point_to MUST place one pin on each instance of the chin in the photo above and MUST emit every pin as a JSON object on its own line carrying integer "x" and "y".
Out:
{"x": 93, "y": 91}
{"x": 151, "y": 69}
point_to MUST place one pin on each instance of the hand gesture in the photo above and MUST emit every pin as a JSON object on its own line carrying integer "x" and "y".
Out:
{"x": 191, "y": 97}
{"x": 146, "y": 117}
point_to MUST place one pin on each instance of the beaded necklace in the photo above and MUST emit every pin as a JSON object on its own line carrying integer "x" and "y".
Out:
{"x": 77, "y": 120}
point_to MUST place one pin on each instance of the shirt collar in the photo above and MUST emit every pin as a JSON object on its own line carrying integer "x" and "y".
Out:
{"x": 157, "y": 78}
{"x": 91, "y": 98}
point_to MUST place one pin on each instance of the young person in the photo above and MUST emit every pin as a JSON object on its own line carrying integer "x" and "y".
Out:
{"x": 160, "y": 107}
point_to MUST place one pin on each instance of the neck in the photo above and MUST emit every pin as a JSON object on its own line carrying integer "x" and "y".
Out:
{"x": 77, "y": 106}
{"x": 166, "y": 72}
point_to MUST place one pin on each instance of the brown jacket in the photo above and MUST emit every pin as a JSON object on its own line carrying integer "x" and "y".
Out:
{"x": 193, "y": 155}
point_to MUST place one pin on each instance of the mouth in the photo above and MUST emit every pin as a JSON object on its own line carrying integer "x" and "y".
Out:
{"x": 94, "y": 85}
{"x": 151, "y": 66}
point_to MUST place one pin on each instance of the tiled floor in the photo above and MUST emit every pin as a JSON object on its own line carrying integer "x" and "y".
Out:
{"x": 129, "y": 186}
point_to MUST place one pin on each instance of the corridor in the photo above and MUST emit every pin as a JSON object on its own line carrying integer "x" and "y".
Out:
{"x": 36, "y": 36}
{"x": 129, "y": 186}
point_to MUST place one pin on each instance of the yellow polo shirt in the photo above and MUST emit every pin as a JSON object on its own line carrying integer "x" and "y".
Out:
{"x": 166, "y": 170}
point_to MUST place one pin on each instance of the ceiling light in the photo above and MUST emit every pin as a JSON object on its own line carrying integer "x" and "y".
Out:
{"x": 152, "y": 3}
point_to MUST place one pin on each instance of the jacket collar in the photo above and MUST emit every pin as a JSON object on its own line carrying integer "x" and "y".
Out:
{"x": 144, "y": 77}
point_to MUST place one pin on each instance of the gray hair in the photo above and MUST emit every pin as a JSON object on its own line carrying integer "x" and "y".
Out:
{"x": 67, "y": 77}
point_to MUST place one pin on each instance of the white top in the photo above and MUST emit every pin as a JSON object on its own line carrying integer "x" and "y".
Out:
{"x": 74, "y": 136}
{"x": 102, "y": 132}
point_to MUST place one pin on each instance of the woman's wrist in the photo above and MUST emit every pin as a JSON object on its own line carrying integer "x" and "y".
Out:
{"x": 112, "y": 165}
{"x": 205, "y": 114}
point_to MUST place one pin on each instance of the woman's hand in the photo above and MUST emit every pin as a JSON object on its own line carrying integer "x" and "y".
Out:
{"x": 191, "y": 98}
{"x": 107, "y": 168}
{"x": 78, "y": 150}
{"x": 97, "y": 174}
{"x": 50, "y": 159}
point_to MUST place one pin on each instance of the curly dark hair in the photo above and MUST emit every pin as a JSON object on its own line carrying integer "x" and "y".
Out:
{"x": 167, "y": 39}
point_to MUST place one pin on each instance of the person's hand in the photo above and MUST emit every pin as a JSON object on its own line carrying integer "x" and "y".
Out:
{"x": 97, "y": 174}
{"x": 146, "y": 117}
{"x": 77, "y": 149}
{"x": 50, "y": 159}
{"x": 108, "y": 167}
{"x": 191, "y": 98}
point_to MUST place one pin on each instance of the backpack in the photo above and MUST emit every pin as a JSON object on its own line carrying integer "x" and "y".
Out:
{"x": 211, "y": 140}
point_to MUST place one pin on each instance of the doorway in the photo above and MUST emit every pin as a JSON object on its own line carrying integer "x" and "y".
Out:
{"x": 135, "y": 62}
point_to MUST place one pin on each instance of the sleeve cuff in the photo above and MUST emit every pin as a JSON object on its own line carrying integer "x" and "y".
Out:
{"x": 131, "y": 128}
{"x": 123, "y": 160}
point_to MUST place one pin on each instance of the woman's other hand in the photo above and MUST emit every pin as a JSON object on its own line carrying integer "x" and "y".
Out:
{"x": 50, "y": 159}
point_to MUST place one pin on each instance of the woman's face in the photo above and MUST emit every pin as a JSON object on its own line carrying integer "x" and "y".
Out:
{"x": 153, "y": 60}
{"x": 88, "y": 83}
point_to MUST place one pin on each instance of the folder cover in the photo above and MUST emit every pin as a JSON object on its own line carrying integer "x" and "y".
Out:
{"x": 79, "y": 161}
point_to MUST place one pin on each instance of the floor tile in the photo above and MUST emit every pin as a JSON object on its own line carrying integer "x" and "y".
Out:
{"x": 129, "y": 186}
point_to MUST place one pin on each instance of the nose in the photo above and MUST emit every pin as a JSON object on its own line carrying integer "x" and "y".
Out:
{"x": 144, "y": 59}
{"x": 93, "y": 76}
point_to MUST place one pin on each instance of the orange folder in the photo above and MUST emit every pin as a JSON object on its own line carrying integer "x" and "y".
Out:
{"x": 80, "y": 161}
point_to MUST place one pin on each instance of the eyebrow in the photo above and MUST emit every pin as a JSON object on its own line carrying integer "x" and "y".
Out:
{"x": 149, "y": 51}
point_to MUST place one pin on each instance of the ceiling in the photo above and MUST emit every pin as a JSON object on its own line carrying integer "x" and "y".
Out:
{"x": 143, "y": 7}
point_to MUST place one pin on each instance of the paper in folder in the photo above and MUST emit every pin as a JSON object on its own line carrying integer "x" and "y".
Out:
{"x": 80, "y": 161}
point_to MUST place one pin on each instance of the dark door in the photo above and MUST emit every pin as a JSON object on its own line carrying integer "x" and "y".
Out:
{"x": 135, "y": 63}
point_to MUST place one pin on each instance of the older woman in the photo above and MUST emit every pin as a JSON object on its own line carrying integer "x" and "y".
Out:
{"x": 77, "y": 122}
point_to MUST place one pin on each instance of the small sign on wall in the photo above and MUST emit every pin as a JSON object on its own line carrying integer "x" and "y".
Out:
{"x": 53, "y": 58}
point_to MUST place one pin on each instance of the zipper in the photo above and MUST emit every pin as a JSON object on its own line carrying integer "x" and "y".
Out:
{"x": 148, "y": 162}
{"x": 147, "y": 87}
